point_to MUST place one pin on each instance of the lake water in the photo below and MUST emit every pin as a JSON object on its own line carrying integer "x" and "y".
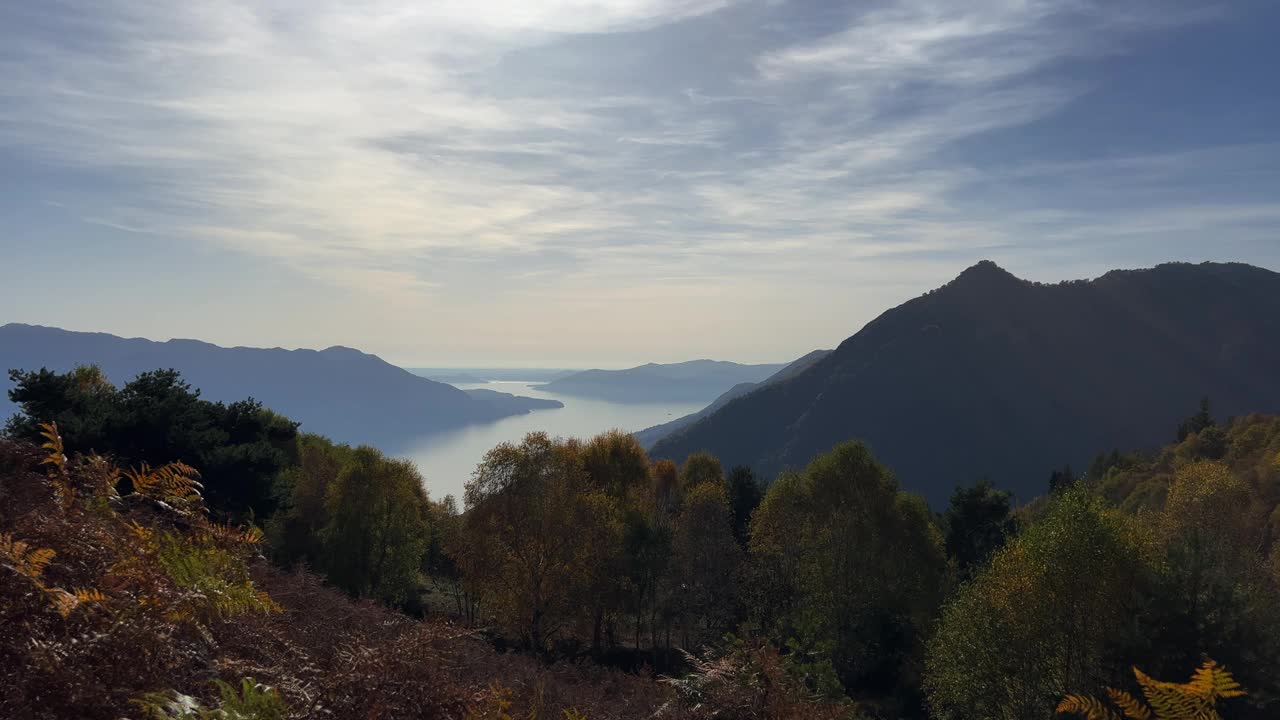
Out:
{"x": 447, "y": 460}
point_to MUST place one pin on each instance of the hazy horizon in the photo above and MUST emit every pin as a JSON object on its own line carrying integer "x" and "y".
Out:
{"x": 610, "y": 182}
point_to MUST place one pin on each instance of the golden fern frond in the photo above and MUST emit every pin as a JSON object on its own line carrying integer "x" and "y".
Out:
{"x": 57, "y": 457}
{"x": 173, "y": 483}
{"x": 105, "y": 477}
{"x": 90, "y": 595}
{"x": 67, "y": 602}
{"x": 1090, "y": 707}
{"x": 1129, "y": 705}
{"x": 37, "y": 560}
{"x": 1214, "y": 681}
{"x": 1172, "y": 701}
{"x": 63, "y": 601}
{"x": 53, "y": 443}
{"x": 230, "y": 533}
{"x": 27, "y": 562}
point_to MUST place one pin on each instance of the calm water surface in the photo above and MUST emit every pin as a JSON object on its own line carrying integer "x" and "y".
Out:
{"x": 447, "y": 460}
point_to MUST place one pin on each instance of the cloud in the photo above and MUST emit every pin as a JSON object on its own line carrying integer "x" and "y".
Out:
{"x": 405, "y": 150}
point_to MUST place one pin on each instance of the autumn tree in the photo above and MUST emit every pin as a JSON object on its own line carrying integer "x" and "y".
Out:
{"x": 536, "y": 535}
{"x": 701, "y": 467}
{"x": 616, "y": 463}
{"x": 705, "y": 565}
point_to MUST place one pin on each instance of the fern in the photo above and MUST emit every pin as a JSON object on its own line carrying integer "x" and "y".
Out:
{"x": 251, "y": 701}
{"x": 56, "y": 456}
{"x": 1129, "y": 705}
{"x": 1091, "y": 708}
{"x": 19, "y": 556}
{"x": 1194, "y": 700}
{"x": 216, "y": 582}
{"x": 172, "y": 485}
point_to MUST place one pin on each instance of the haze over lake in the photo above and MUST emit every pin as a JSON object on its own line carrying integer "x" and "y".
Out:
{"x": 446, "y": 460}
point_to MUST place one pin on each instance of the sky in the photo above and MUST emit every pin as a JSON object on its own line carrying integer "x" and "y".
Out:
{"x": 577, "y": 183}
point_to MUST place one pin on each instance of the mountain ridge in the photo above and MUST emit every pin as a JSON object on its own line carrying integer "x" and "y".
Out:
{"x": 700, "y": 379}
{"x": 651, "y": 435}
{"x": 1017, "y": 377}
{"x": 343, "y": 392}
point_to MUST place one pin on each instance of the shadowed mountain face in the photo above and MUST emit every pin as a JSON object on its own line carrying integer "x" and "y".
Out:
{"x": 994, "y": 376}
{"x": 692, "y": 380}
{"x": 339, "y": 392}
{"x": 651, "y": 435}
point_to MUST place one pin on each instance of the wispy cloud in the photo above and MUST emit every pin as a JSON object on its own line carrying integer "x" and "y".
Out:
{"x": 401, "y": 149}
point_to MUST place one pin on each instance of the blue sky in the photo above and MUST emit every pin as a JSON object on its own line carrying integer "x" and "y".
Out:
{"x": 609, "y": 182}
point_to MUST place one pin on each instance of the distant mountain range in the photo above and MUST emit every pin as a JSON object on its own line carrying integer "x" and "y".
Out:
{"x": 482, "y": 375}
{"x": 995, "y": 376}
{"x": 651, "y": 435}
{"x": 345, "y": 394}
{"x": 686, "y": 381}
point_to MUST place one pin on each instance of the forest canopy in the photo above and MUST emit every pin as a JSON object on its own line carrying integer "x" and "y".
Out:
{"x": 829, "y": 589}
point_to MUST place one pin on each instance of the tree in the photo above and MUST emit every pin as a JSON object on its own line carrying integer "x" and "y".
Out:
{"x": 1198, "y": 422}
{"x": 850, "y": 571}
{"x": 1044, "y": 617}
{"x": 377, "y": 533}
{"x": 1060, "y": 480}
{"x": 159, "y": 418}
{"x": 744, "y": 497}
{"x": 617, "y": 467}
{"x": 80, "y": 402}
{"x": 701, "y": 467}
{"x": 616, "y": 463}
{"x": 706, "y": 562}
{"x": 531, "y": 534}
{"x": 295, "y": 529}
{"x": 978, "y": 522}
{"x": 1216, "y": 594}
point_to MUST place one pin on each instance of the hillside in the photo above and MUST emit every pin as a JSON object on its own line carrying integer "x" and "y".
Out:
{"x": 691, "y": 380}
{"x": 340, "y": 392}
{"x": 1008, "y": 379}
{"x": 651, "y": 435}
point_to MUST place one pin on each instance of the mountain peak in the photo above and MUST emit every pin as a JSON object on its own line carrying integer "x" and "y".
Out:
{"x": 985, "y": 269}
{"x": 985, "y": 275}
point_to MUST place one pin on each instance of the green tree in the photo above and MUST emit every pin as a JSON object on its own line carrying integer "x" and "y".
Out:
{"x": 849, "y": 570}
{"x": 377, "y": 535}
{"x": 978, "y": 521}
{"x": 295, "y": 530}
{"x": 158, "y": 418}
{"x": 1043, "y": 618}
{"x": 744, "y": 497}
{"x": 1197, "y": 423}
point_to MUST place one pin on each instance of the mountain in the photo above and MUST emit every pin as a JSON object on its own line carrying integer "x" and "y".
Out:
{"x": 686, "y": 381}
{"x": 456, "y": 379}
{"x": 346, "y": 394}
{"x": 512, "y": 404}
{"x": 651, "y": 435}
{"x": 995, "y": 376}
{"x": 483, "y": 375}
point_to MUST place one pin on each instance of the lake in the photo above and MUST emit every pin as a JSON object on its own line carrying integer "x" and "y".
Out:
{"x": 447, "y": 460}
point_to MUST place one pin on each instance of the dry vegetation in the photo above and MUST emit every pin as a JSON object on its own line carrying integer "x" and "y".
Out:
{"x": 120, "y": 598}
